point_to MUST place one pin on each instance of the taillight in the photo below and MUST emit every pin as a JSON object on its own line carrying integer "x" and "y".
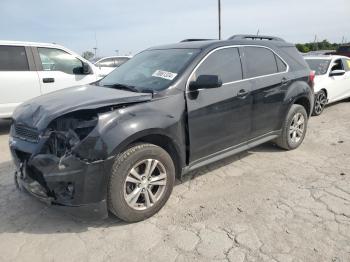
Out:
{"x": 312, "y": 79}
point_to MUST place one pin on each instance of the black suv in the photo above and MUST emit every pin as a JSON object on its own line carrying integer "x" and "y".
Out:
{"x": 119, "y": 144}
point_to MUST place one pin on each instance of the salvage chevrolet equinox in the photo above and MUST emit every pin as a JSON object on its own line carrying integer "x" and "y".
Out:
{"x": 117, "y": 145}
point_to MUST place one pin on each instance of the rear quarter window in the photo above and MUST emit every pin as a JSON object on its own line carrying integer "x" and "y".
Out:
{"x": 260, "y": 61}
{"x": 13, "y": 58}
{"x": 293, "y": 58}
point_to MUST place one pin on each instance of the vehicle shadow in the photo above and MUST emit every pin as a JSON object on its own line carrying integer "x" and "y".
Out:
{"x": 22, "y": 213}
{"x": 5, "y": 126}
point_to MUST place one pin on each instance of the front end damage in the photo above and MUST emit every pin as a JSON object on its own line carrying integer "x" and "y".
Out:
{"x": 65, "y": 164}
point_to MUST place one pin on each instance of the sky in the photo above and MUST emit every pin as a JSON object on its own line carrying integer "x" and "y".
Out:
{"x": 133, "y": 25}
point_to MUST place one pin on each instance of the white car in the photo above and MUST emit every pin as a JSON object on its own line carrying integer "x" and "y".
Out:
{"x": 332, "y": 79}
{"x": 108, "y": 64}
{"x": 30, "y": 69}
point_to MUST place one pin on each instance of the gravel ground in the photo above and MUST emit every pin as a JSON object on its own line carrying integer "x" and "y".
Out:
{"x": 262, "y": 205}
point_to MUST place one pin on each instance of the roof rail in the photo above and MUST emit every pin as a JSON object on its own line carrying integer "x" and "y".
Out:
{"x": 195, "y": 39}
{"x": 256, "y": 37}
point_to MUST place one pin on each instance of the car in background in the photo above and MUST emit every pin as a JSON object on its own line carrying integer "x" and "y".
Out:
{"x": 332, "y": 79}
{"x": 30, "y": 69}
{"x": 108, "y": 64}
{"x": 343, "y": 50}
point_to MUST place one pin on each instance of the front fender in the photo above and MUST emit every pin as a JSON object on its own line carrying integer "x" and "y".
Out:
{"x": 117, "y": 129}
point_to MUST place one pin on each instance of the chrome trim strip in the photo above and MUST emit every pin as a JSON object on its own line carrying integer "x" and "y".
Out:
{"x": 236, "y": 46}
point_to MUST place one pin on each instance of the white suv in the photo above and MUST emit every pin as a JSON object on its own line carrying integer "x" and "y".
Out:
{"x": 29, "y": 69}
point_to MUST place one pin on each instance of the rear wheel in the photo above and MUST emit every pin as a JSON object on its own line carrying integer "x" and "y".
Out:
{"x": 294, "y": 128}
{"x": 320, "y": 103}
{"x": 141, "y": 182}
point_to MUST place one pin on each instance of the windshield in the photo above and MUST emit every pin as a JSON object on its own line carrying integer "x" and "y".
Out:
{"x": 151, "y": 70}
{"x": 320, "y": 66}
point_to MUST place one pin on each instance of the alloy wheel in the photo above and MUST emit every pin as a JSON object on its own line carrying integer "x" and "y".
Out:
{"x": 297, "y": 128}
{"x": 320, "y": 102}
{"x": 145, "y": 184}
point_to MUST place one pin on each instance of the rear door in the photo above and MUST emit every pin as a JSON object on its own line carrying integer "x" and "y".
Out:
{"x": 59, "y": 69}
{"x": 266, "y": 72}
{"x": 18, "y": 79}
{"x": 218, "y": 118}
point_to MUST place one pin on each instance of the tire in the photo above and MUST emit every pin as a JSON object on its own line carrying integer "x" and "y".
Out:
{"x": 130, "y": 180}
{"x": 286, "y": 139}
{"x": 320, "y": 103}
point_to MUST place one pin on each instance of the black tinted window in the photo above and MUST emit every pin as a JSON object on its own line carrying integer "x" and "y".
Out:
{"x": 338, "y": 65}
{"x": 281, "y": 66}
{"x": 225, "y": 63}
{"x": 13, "y": 58}
{"x": 260, "y": 61}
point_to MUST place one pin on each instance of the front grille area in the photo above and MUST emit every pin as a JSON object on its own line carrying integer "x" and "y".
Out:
{"x": 26, "y": 133}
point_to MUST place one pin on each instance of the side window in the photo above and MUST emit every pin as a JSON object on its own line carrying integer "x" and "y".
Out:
{"x": 59, "y": 60}
{"x": 108, "y": 62}
{"x": 225, "y": 63}
{"x": 259, "y": 61}
{"x": 338, "y": 65}
{"x": 13, "y": 58}
{"x": 120, "y": 61}
{"x": 346, "y": 63}
{"x": 281, "y": 66}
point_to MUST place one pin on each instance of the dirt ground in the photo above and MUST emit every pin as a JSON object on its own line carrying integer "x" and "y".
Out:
{"x": 262, "y": 205}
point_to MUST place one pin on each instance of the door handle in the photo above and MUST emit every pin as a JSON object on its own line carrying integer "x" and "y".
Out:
{"x": 284, "y": 81}
{"x": 242, "y": 93}
{"x": 48, "y": 80}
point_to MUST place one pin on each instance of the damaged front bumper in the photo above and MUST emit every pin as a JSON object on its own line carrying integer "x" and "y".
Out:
{"x": 78, "y": 186}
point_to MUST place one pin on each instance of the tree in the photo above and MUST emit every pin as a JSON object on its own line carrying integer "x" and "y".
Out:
{"x": 88, "y": 55}
{"x": 314, "y": 46}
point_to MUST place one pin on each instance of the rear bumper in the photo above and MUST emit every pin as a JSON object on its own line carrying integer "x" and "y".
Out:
{"x": 67, "y": 183}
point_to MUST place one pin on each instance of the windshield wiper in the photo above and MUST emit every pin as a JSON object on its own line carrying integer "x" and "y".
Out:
{"x": 123, "y": 87}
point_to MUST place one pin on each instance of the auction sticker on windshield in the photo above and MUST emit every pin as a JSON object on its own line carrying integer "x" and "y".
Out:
{"x": 164, "y": 74}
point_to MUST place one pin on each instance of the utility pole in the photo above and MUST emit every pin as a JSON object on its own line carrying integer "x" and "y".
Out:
{"x": 315, "y": 44}
{"x": 219, "y": 12}
{"x": 95, "y": 48}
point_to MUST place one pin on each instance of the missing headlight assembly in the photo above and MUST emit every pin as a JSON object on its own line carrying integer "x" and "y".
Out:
{"x": 67, "y": 131}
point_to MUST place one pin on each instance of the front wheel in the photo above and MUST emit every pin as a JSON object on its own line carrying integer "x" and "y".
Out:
{"x": 294, "y": 128}
{"x": 141, "y": 182}
{"x": 320, "y": 103}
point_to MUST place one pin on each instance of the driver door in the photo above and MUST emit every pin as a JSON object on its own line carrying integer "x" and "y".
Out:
{"x": 219, "y": 118}
{"x": 338, "y": 86}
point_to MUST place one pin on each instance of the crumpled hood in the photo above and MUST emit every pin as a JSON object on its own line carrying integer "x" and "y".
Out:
{"x": 40, "y": 111}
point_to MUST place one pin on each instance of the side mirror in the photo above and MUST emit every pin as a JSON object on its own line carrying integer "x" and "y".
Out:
{"x": 337, "y": 73}
{"x": 205, "y": 82}
{"x": 86, "y": 68}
